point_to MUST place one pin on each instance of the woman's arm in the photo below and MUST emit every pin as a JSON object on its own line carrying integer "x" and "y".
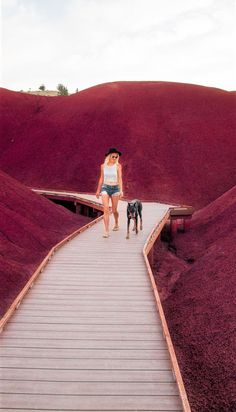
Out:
{"x": 120, "y": 182}
{"x": 100, "y": 183}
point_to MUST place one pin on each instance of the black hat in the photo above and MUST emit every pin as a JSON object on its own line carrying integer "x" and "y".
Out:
{"x": 113, "y": 150}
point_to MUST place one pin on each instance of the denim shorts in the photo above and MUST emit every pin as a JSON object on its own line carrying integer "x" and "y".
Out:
{"x": 110, "y": 190}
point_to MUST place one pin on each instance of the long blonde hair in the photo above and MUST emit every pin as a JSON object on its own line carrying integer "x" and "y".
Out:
{"x": 107, "y": 158}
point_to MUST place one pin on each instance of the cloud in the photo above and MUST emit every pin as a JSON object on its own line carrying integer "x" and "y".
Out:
{"x": 81, "y": 43}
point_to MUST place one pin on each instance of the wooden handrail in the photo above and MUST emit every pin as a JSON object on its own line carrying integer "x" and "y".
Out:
{"x": 71, "y": 193}
{"x": 176, "y": 370}
{"x": 74, "y": 197}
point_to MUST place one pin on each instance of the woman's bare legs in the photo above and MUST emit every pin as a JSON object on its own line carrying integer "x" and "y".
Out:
{"x": 114, "y": 201}
{"x": 105, "y": 202}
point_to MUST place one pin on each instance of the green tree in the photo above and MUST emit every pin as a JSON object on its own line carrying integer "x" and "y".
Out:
{"x": 42, "y": 87}
{"x": 62, "y": 90}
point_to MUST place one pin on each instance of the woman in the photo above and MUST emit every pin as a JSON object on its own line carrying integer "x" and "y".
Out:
{"x": 110, "y": 186}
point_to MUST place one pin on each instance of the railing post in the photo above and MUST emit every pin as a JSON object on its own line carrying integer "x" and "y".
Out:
{"x": 77, "y": 208}
{"x": 173, "y": 227}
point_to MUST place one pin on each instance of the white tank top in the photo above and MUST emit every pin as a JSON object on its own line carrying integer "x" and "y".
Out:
{"x": 110, "y": 174}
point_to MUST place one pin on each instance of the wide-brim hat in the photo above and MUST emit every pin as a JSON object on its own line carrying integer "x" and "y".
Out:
{"x": 113, "y": 150}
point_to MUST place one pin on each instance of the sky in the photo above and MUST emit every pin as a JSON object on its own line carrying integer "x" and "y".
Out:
{"x": 82, "y": 43}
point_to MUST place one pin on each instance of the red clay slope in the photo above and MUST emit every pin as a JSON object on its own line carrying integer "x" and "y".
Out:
{"x": 178, "y": 140}
{"x": 30, "y": 225}
{"x": 200, "y": 304}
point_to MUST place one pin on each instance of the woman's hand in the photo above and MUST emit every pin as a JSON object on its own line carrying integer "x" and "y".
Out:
{"x": 121, "y": 194}
{"x": 97, "y": 194}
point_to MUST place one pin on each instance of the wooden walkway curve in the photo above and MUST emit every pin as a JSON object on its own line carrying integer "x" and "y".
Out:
{"x": 87, "y": 336}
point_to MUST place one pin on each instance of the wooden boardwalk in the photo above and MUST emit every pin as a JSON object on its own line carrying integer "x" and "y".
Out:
{"x": 87, "y": 336}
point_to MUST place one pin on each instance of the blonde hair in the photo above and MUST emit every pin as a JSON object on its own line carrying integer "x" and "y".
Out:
{"x": 107, "y": 158}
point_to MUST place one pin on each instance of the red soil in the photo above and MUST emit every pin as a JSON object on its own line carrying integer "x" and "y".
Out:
{"x": 178, "y": 144}
{"x": 199, "y": 300}
{"x": 178, "y": 140}
{"x": 30, "y": 225}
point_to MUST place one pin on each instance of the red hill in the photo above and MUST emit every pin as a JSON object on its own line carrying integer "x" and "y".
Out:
{"x": 30, "y": 225}
{"x": 178, "y": 144}
{"x": 200, "y": 305}
{"x": 178, "y": 140}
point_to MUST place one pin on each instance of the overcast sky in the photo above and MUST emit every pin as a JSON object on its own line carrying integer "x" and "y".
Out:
{"x": 81, "y": 43}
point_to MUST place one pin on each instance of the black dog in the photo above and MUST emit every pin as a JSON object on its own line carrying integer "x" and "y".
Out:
{"x": 134, "y": 208}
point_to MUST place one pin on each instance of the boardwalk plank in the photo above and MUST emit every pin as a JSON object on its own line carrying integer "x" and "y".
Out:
{"x": 98, "y": 319}
{"x": 101, "y": 299}
{"x": 73, "y": 307}
{"x": 77, "y": 335}
{"x": 87, "y": 375}
{"x": 85, "y": 353}
{"x": 83, "y": 343}
{"x": 80, "y": 410}
{"x": 89, "y": 388}
{"x": 66, "y": 327}
{"x": 96, "y": 294}
{"x": 60, "y": 363}
{"x": 99, "y": 403}
{"x": 93, "y": 286}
